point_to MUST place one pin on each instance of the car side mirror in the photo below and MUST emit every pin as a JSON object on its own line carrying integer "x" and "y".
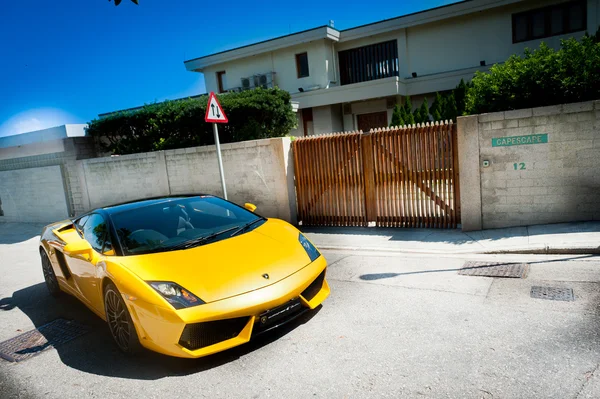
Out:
{"x": 79, "y": 247}
{"x": 250, "y": 207}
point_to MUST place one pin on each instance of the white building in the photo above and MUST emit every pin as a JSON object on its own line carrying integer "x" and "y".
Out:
{"x": 351, "y": 79}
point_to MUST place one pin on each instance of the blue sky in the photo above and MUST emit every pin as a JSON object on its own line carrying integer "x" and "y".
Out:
{"x": 68, "y": 61}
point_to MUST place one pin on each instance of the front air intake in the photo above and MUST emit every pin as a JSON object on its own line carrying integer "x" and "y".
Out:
{"x": 200, "y": 335}
{"x": 313, "y": 289}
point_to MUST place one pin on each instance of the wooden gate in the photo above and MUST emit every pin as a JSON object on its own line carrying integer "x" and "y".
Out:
{"x": 394, "y": 177}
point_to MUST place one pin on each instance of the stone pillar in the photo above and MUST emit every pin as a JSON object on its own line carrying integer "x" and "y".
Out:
{"x": 470, "y": 176}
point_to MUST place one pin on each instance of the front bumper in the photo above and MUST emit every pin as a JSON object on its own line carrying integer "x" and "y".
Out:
{"x": 162, "y": 330}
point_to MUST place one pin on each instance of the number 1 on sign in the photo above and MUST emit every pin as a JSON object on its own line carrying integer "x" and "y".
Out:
{"x": 519, "y": 166}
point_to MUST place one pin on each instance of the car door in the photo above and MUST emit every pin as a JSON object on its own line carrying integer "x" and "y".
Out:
{"x": 84, "y": 267}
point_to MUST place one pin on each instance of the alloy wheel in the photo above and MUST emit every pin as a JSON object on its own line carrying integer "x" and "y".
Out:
{"x": 118, "y": 319}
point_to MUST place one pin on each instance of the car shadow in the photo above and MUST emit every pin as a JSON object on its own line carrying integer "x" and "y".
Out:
{"x": 96, "y": 353}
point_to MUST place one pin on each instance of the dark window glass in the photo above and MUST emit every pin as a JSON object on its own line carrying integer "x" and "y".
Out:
{"x": 538, "y": 24}
{"x": 163, "y": 226}
{"x": 94, "y": 231}
{"x": 576, "y": 17}
{"x": 520, "y": 28}
{"x": 549, "y": 21}
{"x": 302, "y": 65}
{"x": 220, "y": 81}
{"x": 557, "y": 21}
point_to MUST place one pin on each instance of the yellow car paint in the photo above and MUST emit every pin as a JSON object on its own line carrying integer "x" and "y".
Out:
{"x": 227, "y": 275}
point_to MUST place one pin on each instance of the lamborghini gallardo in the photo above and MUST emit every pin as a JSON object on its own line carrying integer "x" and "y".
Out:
{"x": 185, "y": 276}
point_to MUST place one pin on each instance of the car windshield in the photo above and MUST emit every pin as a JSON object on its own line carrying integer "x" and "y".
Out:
{"x": 181, "y": 223}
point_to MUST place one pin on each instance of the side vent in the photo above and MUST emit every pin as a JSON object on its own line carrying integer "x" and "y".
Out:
{"x": 62, "y": 263}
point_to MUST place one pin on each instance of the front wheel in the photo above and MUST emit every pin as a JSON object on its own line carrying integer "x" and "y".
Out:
{"x": 119, "y": 321}
{"x": 49, "y": 276}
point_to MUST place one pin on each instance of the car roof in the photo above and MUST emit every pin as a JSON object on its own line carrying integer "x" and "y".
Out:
{"x": 141, "y": 203}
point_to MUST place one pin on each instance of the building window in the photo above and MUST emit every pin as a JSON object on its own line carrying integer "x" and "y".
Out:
{"x": 302, "y": 65}
{"x": 307, "y": 121}
{"x": 221, "y": 81}
{"x": 376, "y": 61}
{"x": 549, "y": 21}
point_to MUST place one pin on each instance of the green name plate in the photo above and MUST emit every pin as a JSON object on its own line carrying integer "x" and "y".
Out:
{"x": 520, "y": 140}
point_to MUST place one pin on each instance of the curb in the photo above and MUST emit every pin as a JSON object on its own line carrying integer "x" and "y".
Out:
{"x": 536, "y": 250}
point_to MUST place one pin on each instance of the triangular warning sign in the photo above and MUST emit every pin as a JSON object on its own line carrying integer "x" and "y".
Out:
{"x": 214, "y": 111}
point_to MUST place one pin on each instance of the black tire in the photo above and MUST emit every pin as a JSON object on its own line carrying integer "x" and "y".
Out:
{"x": 119, "y": 321}
{"x": 49, "y": 275}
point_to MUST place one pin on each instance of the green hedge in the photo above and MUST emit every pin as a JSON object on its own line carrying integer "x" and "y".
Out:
{"x": 541, "y": 77}
{"x": 253, "y": 114}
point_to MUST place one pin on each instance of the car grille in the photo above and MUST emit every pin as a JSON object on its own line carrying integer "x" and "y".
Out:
{"x": 313, "y": 289}
{"x": 201, "y": 335}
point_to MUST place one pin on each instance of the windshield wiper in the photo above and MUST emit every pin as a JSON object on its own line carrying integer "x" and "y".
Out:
{"x": 199, "y": 241}
{"x": 246, "y": 226}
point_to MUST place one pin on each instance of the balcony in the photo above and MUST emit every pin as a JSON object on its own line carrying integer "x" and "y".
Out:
{"x": 372, "y": 62}
{"x": 264, "y": 80}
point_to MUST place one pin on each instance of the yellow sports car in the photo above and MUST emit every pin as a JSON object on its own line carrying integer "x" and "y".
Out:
{"x": 186, "y": 276}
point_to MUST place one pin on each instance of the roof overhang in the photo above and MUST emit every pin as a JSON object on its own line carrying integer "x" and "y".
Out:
{"x": 320, "y": 33}
{"x": 423, "y": 17}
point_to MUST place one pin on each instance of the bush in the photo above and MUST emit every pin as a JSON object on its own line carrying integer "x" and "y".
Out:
{"x": 253, "y": 114}
{"x": 541, "y": 77}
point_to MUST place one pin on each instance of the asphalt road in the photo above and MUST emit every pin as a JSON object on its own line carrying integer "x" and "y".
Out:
{"x": 394, "y": 326}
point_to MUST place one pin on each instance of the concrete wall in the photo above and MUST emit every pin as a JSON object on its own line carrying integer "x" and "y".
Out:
{"x": 29, "y": 160}
{"x": 258, "y": 171}
{"x": 551, "y": 182}
{"x": 33, "y": 195}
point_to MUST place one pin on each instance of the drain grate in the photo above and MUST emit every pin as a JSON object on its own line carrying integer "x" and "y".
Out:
{"x": 552, "y": 293}
{"x": 33, "y": 342}
{"x": 494, "y": 269}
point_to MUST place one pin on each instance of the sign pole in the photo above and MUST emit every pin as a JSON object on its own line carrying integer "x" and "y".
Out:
{"x": 215, "y": 114}
{"x": 216, "y": 131}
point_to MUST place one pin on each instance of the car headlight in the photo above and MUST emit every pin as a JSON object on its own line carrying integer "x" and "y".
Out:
{"x": 175, "y": 294}
{"x": 312, "y": 252}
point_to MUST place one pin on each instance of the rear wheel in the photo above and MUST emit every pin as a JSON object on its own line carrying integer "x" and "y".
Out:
{"x": 49, "y": 276}
{"x": 119, "y": 321}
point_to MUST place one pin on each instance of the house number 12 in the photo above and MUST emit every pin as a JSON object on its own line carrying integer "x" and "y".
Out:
{"x": 519, "y": 166}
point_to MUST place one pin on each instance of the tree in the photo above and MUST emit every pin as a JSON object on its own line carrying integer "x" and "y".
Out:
{"x": 541, "y": 77}
{"x": 117, "y": 2}
{"x": 450, "y": 111}
{"x": 437, "y": 107}
{"x": 408, "y": 116}
{"x": 422, "y": 113}
{"x": 397, "y": 116}
{"x": 253, "y": 114}
{"x": 460, "y": 94}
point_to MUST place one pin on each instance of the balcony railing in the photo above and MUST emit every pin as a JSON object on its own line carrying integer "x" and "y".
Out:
{"x": 375, "y": 61}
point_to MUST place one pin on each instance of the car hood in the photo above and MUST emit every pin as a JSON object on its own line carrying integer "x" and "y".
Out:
{"x": 228, "y": 267}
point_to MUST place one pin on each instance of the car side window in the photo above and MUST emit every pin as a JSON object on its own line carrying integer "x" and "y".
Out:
{"x": 94, "y": 231}
{"x": 79, "y": 223}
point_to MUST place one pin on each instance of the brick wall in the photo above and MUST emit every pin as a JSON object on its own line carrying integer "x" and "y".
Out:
{"x": 557, "y": 181}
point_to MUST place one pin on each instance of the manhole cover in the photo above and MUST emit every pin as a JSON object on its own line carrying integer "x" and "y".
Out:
{"x": 494, "y": 269}
{"x": 33, "y": 342}
{"x": 552, "y": 293}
